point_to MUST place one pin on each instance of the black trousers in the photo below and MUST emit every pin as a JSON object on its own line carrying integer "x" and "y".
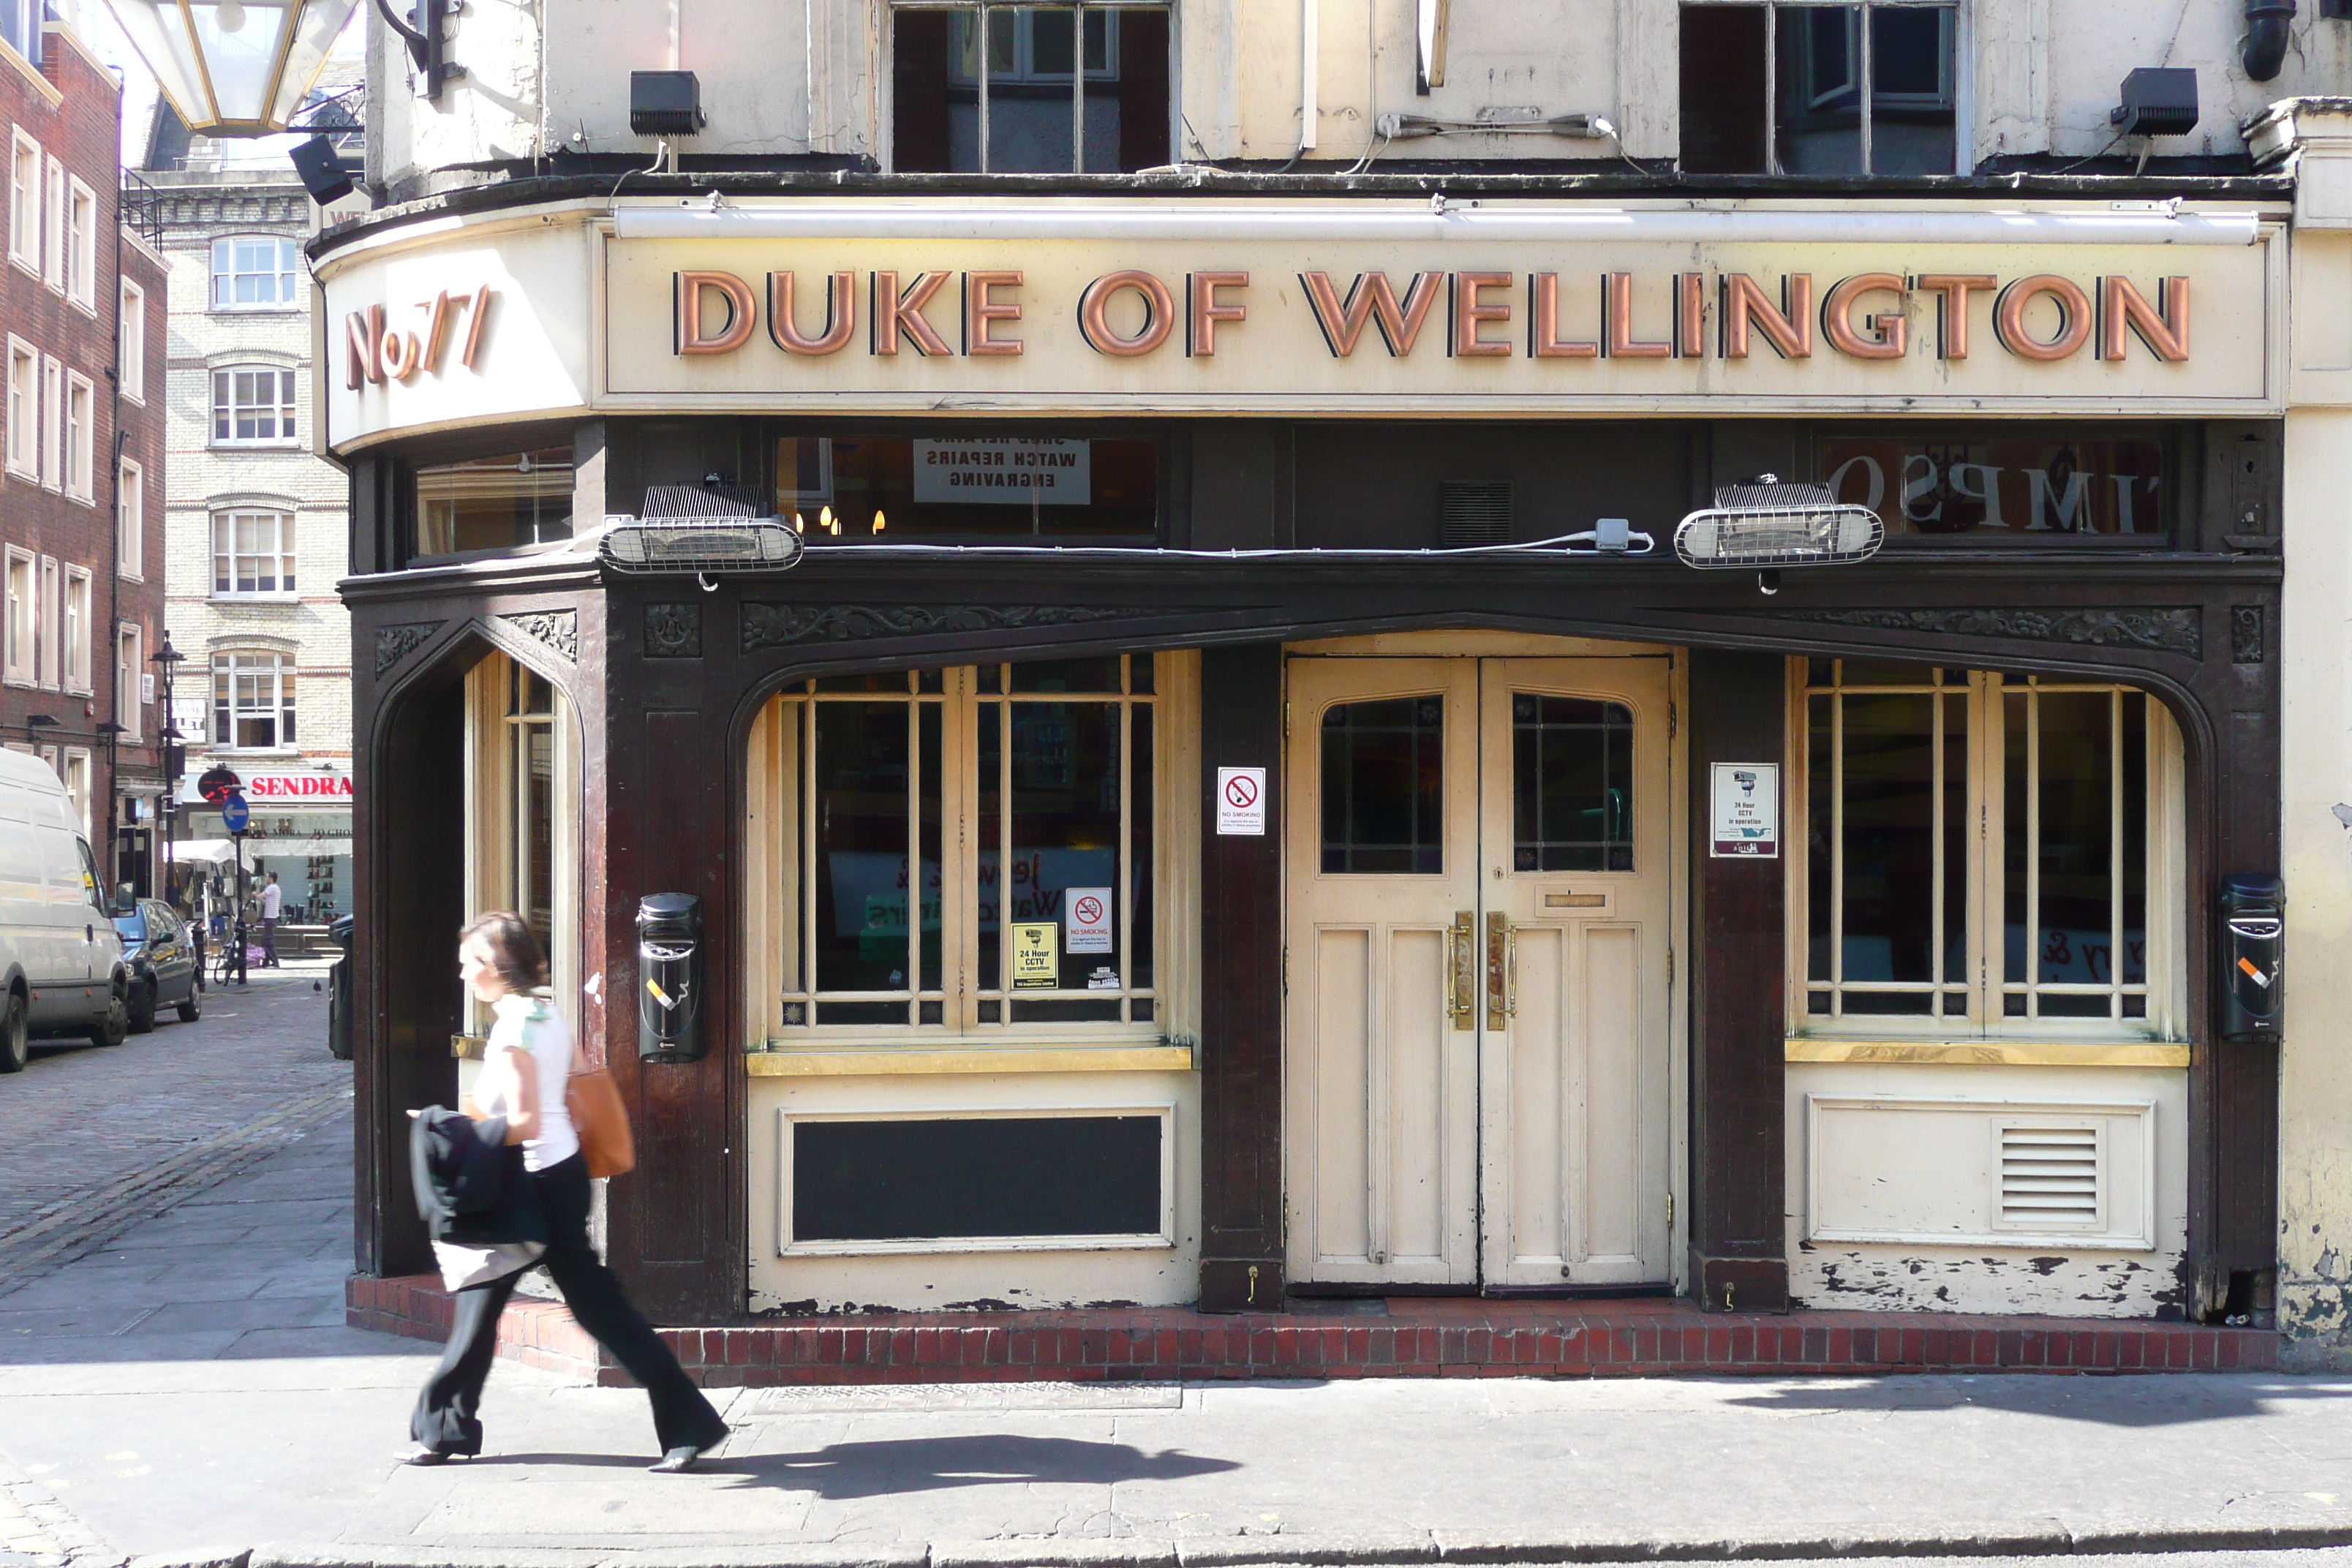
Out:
{"x": 449, "y": 1412}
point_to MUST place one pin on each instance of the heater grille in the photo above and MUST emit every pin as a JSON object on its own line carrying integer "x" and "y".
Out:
{"x": 2049, "y": 1178}
{"x": 1764, "y": 522}
{"x": 701, "y": 527}
{"x": 1475, "y": 512}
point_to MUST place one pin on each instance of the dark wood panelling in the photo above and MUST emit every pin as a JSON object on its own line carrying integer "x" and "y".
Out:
{"x": 669, "y": 1216}
{"x": 1240, "y": 990}
{"x": 1737, "y": 1013}
{"x": 1234, "y": 485}
{"x": 409, "y": 878}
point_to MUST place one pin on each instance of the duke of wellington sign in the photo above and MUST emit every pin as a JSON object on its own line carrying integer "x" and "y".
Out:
{"x": 930, "y": 307}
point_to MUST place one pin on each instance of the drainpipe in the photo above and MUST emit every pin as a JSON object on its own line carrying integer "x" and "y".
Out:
{"x": 2264, "y": 49}
{"x": 1310, "y": 48}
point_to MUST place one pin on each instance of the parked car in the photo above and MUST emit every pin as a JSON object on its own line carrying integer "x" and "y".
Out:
{"x": 61, "y": 968}
{"x": 161, "y": 953}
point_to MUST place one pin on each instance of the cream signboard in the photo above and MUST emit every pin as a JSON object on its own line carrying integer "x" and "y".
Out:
{"x": 1107, "y": 307}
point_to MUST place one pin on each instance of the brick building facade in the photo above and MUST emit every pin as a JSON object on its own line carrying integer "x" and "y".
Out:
{"x": 255, "y": 536}
{"x": 81, "y": 514}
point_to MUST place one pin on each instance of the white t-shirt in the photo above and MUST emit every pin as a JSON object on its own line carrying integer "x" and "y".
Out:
{"x": 532, "y": 1025}
{"x": 273, "y": 898}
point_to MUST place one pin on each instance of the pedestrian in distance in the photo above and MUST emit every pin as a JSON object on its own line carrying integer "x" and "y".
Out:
{"x": 273, "y": 899}
{"x": 525, "y": 1066}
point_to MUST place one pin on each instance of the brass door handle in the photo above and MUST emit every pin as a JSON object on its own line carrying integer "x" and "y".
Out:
{"x": 1502, "y": 965}
{"x": 1461, "y": 970}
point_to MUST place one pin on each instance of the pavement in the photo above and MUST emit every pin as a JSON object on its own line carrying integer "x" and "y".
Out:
{"x": 183, "y": 1390}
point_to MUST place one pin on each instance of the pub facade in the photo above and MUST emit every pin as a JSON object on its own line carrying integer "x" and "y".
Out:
{"x": 1239, "y": 799}
{"x": 1487, "y": 757}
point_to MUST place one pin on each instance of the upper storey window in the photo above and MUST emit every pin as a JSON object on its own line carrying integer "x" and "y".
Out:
{"x": 494, "y": 503}
{"x": 255, "y": 272}
{"x": 20, "y": 27}
{"x": 1029, "y": 89}
{"x": 1818, "y": 90}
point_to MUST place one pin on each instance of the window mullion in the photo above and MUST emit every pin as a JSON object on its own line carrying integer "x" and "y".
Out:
{"x": 1772, "y": 145}
{"x": 1862, "y": 86}
{"x": 2115, "y": 854}
{"x": 1078, "y": 95}
{"x": 985, "y": 68}
{"x": 1837, "y": 840}
{"x": 2032, "y": 850}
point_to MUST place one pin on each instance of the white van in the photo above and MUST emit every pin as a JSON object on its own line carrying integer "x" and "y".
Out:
{"x": 61, "y": 970}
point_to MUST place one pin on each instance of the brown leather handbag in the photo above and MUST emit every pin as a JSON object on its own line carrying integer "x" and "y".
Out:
{"x": 602, "y": 1121}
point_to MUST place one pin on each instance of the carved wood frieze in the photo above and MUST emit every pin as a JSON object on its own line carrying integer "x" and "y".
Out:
{"x": 393, "y": 644}
{"x": 2246, "y": 639}
{"x": 674, "y": 631}
{"x": 558, "y": 630}
{"x": 785, "y": 626}
{"x": 2166, "y": 629}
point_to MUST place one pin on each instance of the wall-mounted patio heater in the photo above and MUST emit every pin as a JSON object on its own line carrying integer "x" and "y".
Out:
{"x": 1761, "y": 525}
{"x": 702, "y": 529}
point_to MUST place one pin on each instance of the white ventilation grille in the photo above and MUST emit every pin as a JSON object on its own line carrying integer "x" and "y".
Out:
{"x": 2049, "y": 1178}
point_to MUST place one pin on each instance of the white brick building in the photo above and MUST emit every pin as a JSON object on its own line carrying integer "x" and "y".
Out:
{"x": 254, "y": 532}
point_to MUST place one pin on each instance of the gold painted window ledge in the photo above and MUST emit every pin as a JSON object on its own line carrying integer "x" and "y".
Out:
{"x": 1993, "y": 1053}
{"x": 799, "y": 1062}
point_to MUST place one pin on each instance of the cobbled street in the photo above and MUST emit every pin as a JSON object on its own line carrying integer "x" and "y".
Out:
{"x": 99, "y": 1140}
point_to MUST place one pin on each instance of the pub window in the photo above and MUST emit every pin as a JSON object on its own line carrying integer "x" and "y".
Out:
{"x": 1819, "y": 89}
{"x": 1987, "y": 854}
{"x": 2035, "y": 486}
{"x": 494, "y": 503}
{"x": 1063, "y": 88}
{"x": 967, "y": 850}
{"x": 845, "y": 489}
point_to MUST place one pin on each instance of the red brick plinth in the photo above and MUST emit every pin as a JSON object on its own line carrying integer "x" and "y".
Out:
{"x": 1413, "y": 1338}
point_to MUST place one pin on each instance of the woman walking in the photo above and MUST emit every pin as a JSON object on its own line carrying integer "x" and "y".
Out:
{"x": 524, "y": 1071}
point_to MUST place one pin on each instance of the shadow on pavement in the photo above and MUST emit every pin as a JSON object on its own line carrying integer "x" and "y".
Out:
{"x": 845, "y": 1471}
{"x": 2155, "y": 1399}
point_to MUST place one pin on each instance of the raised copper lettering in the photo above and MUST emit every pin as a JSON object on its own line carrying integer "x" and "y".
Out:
{"x": 1952, "y": 290}
{"x": 2163, "y": 327}
{"x": 690, "y": 289}
{"x": 364, "y": 347}
{"x": 982, "y": 309}
{"x": 403, "y": 357}
{"x": 477, "y": 326}
{"x": 1158, "y": 314}
{"x": 1544, "y": 340}
{"x": 1618, "y": 294}
{"x": 1468, "y": 311}
{"x": 1885, "y": 334}
{"x": 1788, "y": 326}
{"x": 2073, "y": 313}
{"x": 1201, "y": 319}
{"x": 444, "y": 308}
{"x": 1690, "y": 315}
{"x": 1372, "y": 298}
{"x": 840, "y": 315}
{"x": 900, "y": 313}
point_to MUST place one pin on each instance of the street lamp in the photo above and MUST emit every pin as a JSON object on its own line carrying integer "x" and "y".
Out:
{"x": 234, "y": 67}
{"x": 175, "y": 754}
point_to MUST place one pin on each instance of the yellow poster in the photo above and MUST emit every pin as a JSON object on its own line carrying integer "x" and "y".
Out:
{"x": 1036, "y": 957}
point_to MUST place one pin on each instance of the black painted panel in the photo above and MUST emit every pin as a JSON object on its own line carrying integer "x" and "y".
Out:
{"x": 1050, "y": 1175}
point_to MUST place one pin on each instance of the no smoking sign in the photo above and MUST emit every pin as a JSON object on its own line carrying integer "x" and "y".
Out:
{"x": 1241, "y": 801}
{"x": 1086, "y": 919}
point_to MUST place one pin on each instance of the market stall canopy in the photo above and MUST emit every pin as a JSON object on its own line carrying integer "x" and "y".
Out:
{"x": 183, "y": 851}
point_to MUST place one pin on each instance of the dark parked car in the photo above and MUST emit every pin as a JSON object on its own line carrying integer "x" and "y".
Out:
{"x": 162, "y": 955}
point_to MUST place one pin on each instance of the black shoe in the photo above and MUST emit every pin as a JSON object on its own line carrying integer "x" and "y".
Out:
{"x": 684, "y": 1456}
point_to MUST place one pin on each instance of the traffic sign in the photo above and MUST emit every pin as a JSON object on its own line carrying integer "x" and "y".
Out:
{"x": 218, "y": 783}
{"x": 235, "y": 814}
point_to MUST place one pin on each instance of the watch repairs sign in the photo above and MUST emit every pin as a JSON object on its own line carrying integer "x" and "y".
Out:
{"x": 1746, "y": 811}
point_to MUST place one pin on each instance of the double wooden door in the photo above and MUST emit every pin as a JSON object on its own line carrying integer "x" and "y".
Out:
{"x": 1476, "y": 1018}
